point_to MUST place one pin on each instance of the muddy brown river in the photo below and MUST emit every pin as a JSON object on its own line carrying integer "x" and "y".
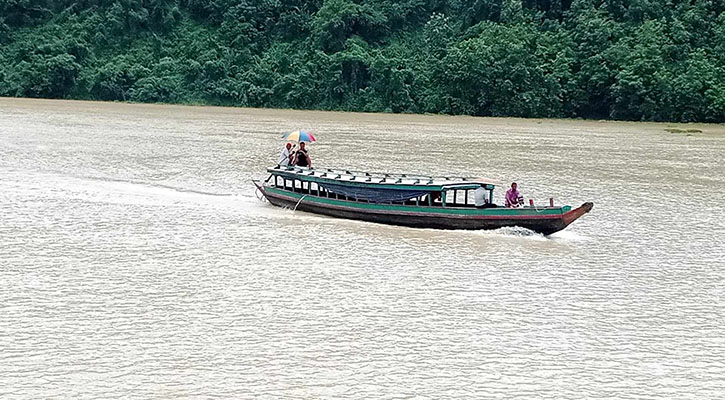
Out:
{"x": 136, "y": 261}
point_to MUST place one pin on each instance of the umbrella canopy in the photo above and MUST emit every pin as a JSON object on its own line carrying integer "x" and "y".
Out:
{"x": 299, "y": 136}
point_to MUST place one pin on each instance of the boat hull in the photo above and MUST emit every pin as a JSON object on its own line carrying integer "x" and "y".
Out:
{"x": 545, "y": 221}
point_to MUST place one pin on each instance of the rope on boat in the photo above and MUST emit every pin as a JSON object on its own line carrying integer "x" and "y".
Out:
{"x": 298, "y": 203}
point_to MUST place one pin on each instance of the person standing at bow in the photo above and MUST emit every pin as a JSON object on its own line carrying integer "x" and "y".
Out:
{"x": 302, "y": 158}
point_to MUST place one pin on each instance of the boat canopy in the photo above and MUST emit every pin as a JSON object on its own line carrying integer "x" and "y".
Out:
{"x": 376, "y": 181}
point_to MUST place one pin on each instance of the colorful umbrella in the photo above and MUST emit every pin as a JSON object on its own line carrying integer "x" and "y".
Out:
{"x": 299, "y": 136}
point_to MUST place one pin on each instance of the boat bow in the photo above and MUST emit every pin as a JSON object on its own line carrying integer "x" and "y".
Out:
{"x": 576, "y": 213}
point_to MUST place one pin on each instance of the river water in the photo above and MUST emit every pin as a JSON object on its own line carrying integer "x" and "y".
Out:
{"x": 136, "y": 261}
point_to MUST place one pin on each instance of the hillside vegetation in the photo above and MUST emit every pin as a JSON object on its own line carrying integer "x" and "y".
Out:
{"x": 659, "y": 60}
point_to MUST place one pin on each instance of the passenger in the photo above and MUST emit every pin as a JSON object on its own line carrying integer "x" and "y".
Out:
{"x": 285, "y": 156}
{"x": 302, "y": 158}
{"x": 480, "y": 198}
{"x": 513, "y": 197}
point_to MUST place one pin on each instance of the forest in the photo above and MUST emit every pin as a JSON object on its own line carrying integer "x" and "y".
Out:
{"x": 641, "y": 60}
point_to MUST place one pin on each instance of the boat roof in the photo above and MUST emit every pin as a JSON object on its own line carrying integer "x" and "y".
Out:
{"x": 380, "y": 178}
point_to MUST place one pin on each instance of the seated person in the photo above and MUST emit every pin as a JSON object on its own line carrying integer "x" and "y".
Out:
{"x": 513, "y": 197}
{"x": 302, "y": 158}
{"x": 480, "y": 198}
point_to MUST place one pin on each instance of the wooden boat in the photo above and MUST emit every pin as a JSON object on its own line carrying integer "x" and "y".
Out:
{"x": 407, "y": 200}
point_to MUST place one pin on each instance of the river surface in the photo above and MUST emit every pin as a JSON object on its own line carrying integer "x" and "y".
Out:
{"x": 136, "y": 261}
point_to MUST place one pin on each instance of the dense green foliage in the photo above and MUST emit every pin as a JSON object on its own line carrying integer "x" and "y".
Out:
{"x": 623, "y": 59}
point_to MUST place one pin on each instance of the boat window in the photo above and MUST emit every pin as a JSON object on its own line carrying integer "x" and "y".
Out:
{"x": 456, "y": 197}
